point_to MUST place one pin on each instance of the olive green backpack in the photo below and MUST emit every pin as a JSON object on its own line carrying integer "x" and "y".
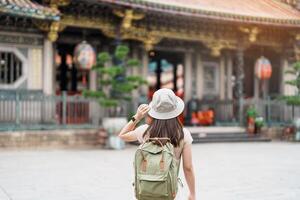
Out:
{"x": 156, "y": 170}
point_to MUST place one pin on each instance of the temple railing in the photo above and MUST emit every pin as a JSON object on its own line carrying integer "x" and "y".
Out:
{"x": 21, "y": 110}
{"x": 274, "y": 112}
{"x": 33, "y": 110}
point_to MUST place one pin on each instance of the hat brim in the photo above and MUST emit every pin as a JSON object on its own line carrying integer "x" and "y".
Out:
{"x": 169, "y": 115}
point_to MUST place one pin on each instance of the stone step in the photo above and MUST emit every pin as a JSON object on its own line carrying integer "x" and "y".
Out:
{"x": 216, "y": 129}
{"x": 223, "y": 134}
{"x": 237, "y": 139}
{"x": 219, "y": 135}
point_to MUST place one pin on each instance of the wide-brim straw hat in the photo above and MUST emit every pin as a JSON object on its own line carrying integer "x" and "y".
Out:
{"x": 165, "y": 104}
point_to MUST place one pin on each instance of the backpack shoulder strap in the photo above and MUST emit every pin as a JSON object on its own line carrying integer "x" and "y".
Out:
{"x": 181, "y": 145}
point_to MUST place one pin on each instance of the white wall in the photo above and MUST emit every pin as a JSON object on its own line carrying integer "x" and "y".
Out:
{"x": 35, "y": 71}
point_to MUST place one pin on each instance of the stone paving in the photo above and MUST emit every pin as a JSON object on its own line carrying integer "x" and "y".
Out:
{"x": 232, "y": 171}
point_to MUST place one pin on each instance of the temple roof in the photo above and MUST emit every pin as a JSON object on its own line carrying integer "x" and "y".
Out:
{"x": 28, "y": 8}
{"x": 271, "y": 12}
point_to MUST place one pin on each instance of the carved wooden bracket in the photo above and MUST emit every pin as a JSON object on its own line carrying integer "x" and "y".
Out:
{"x": 150, "y": 42}
{"x": 128, "y": 16}
{"x": 296, "y": 45}
{"x": 216, "y": 46}
{"x": 149, "y": 38}
{"x": 52, "y": 28}
{"x": 252, "y": 32}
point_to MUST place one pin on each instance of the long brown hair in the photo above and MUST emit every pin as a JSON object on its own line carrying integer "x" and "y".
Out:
{"x": 170, "y": 128}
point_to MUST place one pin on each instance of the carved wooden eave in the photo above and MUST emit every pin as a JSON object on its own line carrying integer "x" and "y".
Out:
{"x": 86, "y": 22}
{"x": 52, "y": 28}
{"x": 216, "y": 42}
{"x": 28, "y": 9}
{"x": 295, "y": 43}
{"x": 149, "y": 38}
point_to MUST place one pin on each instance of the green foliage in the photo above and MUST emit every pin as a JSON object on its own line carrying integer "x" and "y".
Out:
{"x": 121, "y": 52}
{"x": 295, "y": 99}
{"x": 95, "y": 94}
{"x": 251, "y": 112}
{"x": 291, "y": 100}
{"x": 114, "y": 86}
{"x": 133, "y": 63}
{"x": 103, "y": 57}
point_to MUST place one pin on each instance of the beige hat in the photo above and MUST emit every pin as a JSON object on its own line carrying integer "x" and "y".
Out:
{"x": 165, "y": 104}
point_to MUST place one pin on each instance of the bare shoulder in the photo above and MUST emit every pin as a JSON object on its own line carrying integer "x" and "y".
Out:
{"x": 139, "y": 132}
{"x": 143, "y": 126}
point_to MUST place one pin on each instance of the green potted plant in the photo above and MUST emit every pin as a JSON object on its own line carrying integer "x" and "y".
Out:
{"x": 294, "y": 100}
{"x": 115, "y": 87}
{"x": 251, "y": 114}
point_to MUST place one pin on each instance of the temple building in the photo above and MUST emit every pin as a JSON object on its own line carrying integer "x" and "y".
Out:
{"x": 205, "y": 50}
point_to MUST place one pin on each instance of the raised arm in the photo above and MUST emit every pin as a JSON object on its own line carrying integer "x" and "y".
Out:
{"x": 127, "y": 133}
{"x": 189, "y": 170}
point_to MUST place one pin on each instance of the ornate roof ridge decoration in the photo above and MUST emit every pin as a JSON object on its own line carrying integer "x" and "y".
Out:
{"x": 27, "y": 8}
{"x": 289, "y": 16}
{"x": 290, "y": 2}
{"x": 57, "y": 3}
{"x": 293, "y": 3}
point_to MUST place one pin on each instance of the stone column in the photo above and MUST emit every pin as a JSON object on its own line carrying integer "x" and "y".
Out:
{"x": 256, "y": 86}
{"x": 144, "y": 71}
{"x": 188, "y": 75}
{"x": 93, "y": 80}
{"x": 287, "y": 89}
{"x": 135, "y": 72}
{"x": 229, "y": 76}
{"x": 222, "y": 83}
{"x": 199, "y": 76}
{"x": 94, "y": 106}
{"x": 239, "y": 82}
{"x": 48, "y": 69}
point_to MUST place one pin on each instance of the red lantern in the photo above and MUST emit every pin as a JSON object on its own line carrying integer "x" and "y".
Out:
{"x": 84, "y": 55}
{"x": 263, "y": 68}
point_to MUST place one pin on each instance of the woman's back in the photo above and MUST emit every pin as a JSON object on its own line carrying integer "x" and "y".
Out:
{"x": 162, "y": 122}
{"x": 187, "y": 138}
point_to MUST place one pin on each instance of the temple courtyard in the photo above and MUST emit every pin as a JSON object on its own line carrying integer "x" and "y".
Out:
{"x": 224, "y": 171}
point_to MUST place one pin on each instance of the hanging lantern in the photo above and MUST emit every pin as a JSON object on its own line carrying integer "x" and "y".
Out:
{"x": 263, "y": 68}
{"x": 84, "y": 56}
